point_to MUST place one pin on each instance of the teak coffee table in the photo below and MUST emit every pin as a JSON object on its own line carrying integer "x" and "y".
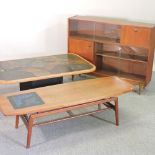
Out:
{"x": 41, "y": 102}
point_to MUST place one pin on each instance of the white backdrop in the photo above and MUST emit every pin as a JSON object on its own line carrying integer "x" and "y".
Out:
{"x": 39, "y": 27}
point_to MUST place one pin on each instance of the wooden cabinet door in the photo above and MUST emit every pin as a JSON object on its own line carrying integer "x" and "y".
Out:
{"x": 82, "y": 47}
{"x": 136, "y": 36}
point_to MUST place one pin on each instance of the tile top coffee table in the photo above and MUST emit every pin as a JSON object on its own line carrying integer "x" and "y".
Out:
{"x": 45, "y": 67}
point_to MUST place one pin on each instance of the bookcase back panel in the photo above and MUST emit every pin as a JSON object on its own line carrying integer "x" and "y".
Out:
{"x": 107, "y": 31}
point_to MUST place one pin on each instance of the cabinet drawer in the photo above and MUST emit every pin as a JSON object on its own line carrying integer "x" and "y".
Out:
{"x": 82, "y": 47}
{"x": 135, "y": 36}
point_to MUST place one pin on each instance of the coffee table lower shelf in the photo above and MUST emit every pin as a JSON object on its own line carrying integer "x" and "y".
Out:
{"x": 30, "y": 120}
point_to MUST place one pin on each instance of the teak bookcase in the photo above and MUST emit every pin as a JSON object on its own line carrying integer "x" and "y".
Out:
{"x": 115, "y": 46}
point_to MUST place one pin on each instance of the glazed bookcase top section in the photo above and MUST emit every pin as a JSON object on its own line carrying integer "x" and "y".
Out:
{"x": 93, "y": 31}
{"x": 118, "y": 21}
{"x": 122, "y": 52}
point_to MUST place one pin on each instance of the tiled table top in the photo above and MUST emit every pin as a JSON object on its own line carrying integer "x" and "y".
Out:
{"x": 29, "y": 69}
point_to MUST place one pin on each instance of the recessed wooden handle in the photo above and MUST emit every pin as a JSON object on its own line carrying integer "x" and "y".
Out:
{"x": 135, "y": 30}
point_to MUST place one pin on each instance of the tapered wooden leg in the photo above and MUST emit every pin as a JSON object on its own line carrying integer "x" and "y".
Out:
{"x": 116, "y": 112}
{"x": 29, "y": 132}
{"x": 17, "y": 121}
{"x": 139, "y": 91}
{"x": 141, "y": 88}
{"x": 99, "y": 107}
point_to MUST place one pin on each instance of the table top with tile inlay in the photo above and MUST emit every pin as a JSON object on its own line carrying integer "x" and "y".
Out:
{"x": 39, "y": 68}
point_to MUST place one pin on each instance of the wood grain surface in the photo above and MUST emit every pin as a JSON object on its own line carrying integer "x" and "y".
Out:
{"x": 69, "y": 94}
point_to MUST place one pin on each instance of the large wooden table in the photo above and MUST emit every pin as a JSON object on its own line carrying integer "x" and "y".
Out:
{"x": 37, "y": 103}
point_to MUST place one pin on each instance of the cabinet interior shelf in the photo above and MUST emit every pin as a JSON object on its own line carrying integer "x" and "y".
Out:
{"x": 95, "y": 38}
{"x": 115, "y": 55}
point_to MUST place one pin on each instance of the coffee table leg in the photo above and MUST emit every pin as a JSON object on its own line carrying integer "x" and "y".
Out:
{"x": 116, "y": 112}
{"x": 29, "y": 131}
{"x": 17, "y": 121}
{"x": 73, "y": 77}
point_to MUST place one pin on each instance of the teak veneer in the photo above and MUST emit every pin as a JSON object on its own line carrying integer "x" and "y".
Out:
{"x": 116, "y": 46}
{"x": 65, "y": 98}
{"x": 68, "y": 94}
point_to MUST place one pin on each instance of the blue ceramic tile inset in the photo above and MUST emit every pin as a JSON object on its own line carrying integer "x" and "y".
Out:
{"x": 25, "y": 100}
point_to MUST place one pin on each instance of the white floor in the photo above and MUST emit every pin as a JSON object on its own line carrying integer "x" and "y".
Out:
{"x": 89, "y": 135}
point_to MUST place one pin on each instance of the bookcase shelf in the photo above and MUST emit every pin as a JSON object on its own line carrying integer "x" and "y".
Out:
{"x": 120, "y": 57}
{"x": 95, "y": 39}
